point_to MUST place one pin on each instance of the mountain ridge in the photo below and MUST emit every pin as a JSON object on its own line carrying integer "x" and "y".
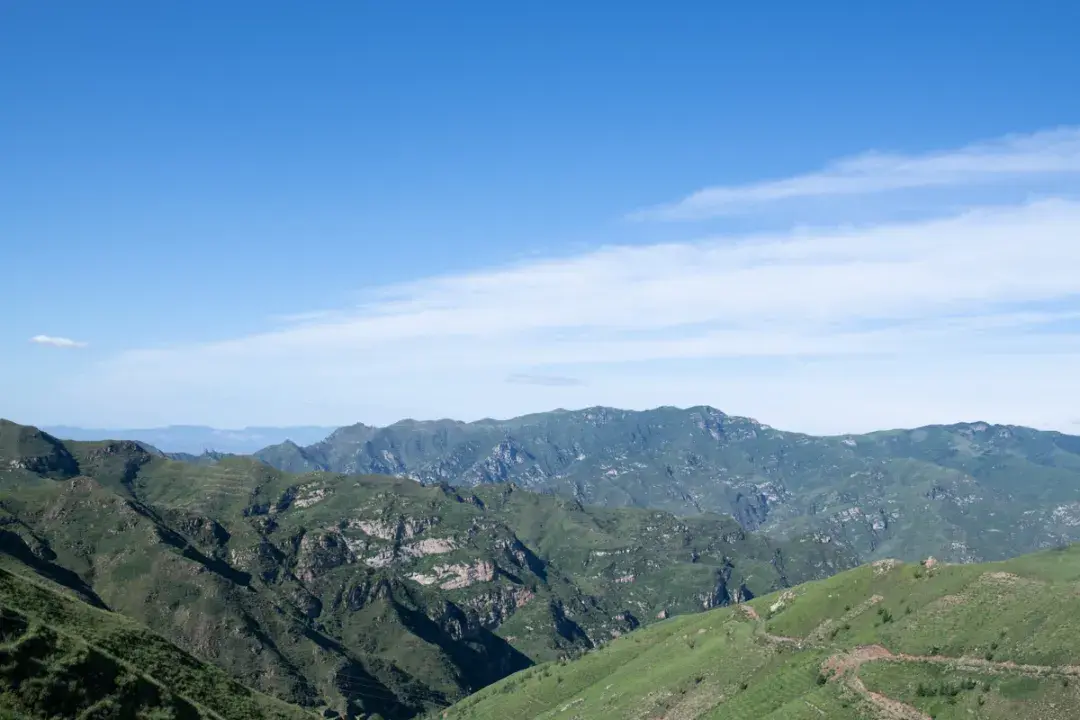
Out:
{"x": 877, "y": 490}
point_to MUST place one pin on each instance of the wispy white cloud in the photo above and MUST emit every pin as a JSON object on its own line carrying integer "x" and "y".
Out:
{"x": 972, "y": 315}
{"x": 60, "y": 342}
{"x": 728, "y": 321}
{"x": 1013, "y": 159}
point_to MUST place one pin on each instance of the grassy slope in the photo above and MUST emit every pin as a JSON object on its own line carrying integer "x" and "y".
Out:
{"x": 62, "y": 657}
{"x": 997, "y": 640}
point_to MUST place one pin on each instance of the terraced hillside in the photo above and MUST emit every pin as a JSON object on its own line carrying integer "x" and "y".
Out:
{"x": 363, "y": 594}
{"x": 966, "y": 492}
{"x": 888, "y": 640}
{"x": 61, "y": 657}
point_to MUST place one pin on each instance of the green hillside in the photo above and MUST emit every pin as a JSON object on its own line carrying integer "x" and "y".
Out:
{"x": 966, "y": 492}
{"x": 360, "y": 594}
{"x": 60, "y": 657}
{"x": 887, "y": 640}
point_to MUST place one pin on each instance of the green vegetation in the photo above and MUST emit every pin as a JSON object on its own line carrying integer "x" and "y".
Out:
{"x": 60, "y": 657}
{"x": 363, "y": 595}
{"x": 827, "y": 649}
{"x": 373, "y": 596}
{"x": 962, "y": 493}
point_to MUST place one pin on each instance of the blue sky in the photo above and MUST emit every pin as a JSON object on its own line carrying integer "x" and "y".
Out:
{"x": 832, "y": 216}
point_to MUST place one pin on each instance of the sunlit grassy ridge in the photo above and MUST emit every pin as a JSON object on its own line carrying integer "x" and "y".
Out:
{"x": 889, "y": 640}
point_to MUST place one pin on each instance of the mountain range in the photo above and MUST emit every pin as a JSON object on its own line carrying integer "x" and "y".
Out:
{"x": 964, "y": 492}
{"x": 404, "y": 571}
{"x": 363, "y": 595}
{"x": 197, "y": 439}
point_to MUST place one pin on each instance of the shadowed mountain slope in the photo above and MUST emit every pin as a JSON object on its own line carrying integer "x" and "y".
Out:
{"x": 61, "y": 657}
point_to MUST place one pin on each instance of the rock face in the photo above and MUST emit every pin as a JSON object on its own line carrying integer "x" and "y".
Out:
{"x": 321, "y": 552}
{"x": 894, "y": 492}
{"x": 455, "y": 577}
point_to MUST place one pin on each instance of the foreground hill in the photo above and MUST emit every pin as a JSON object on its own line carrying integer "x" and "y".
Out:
{"x": 365, "y": 594}
{"x": 62, "y": 657}
{"x": 967, "y": 492}
{"x": 889, "y": 640}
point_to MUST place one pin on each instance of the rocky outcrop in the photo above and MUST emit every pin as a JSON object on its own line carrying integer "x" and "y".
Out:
{"x": 367, "y": 590}
{"x": 319, "y": 552}
{"x": 263, "y": 560}
{"x": 493, "y": 608}
{"x": 457, "y": 576}
{"x": 308, "y": 495}
{"x": 394, "y": 531}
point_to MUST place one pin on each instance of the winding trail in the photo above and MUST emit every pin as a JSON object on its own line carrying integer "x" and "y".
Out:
{"x": 844, "y": 666}
{"x": 777, "y": 639}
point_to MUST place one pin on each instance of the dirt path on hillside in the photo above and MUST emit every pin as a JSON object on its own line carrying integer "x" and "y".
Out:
{"x": 977, "y": 663}
{"x": 779, "y": 639}
{"x": 844, "y": 666}
{"x": 818, "y": 635}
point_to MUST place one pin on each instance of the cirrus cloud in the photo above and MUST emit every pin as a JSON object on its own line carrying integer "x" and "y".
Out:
{"x": 1012, "y": 159}
{"x": 931, "y": 296}
{"x": 975, "y": 315}
{"x": 55, "y": 341}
